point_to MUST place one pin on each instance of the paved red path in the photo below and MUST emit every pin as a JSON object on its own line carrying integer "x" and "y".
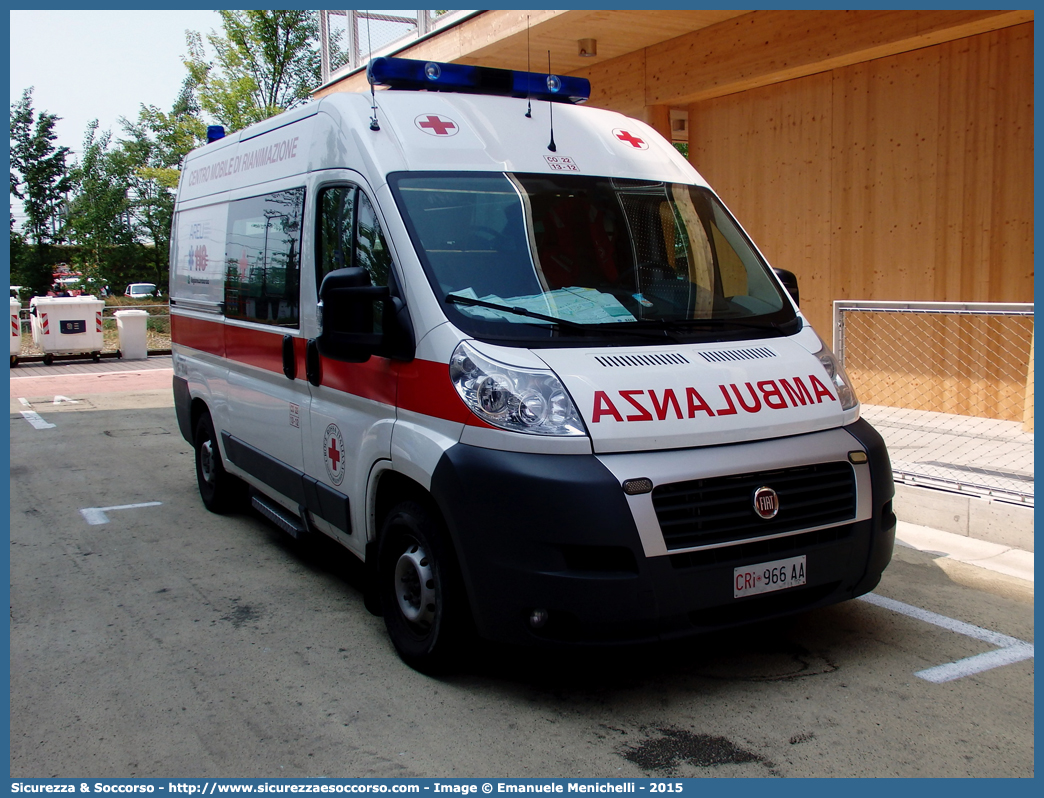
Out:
{"x": 82, "y": 379}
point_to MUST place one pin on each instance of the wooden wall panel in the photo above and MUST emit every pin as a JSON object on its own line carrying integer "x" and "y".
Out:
{"x": 908, "y": 177}
{"x": 885, "y": 177}
{"x": 768, "y": 154}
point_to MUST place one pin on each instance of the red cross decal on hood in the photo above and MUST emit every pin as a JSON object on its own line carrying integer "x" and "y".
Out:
{"x": 630, "y": 138}
{"x": 435, "y": 125}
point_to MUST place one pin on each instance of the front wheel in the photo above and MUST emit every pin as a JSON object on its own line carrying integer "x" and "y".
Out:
{"x": 422, "y": 595}
{"x": 219, "y": 490}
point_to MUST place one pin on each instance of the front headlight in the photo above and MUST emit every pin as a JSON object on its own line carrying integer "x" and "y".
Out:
{"x": 843, "y": 385}
{"x": 515, "y": 399}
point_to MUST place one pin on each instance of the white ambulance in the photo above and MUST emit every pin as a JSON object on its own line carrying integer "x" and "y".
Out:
{"x": 517, "y": 356}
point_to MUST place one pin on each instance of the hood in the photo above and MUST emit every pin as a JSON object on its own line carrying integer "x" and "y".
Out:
{"x": 648, "y": 398}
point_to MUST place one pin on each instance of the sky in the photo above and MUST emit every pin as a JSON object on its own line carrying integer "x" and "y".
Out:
{"x": 100, "y": 65}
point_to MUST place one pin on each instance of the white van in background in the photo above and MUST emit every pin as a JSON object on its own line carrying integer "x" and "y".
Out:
{"x": 518, "y": 357}
{"x": 141, "y": 290}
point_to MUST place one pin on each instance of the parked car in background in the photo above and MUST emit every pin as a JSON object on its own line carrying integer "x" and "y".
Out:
{"x": 141, "y": 290}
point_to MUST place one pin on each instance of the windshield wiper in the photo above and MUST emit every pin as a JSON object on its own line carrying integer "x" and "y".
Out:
{"x": 566, "y": 324}
{"x": 456, "y": 299}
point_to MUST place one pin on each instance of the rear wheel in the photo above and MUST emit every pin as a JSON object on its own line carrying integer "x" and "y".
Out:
{"x": 421, "y": 592}
{"x": 219, "y": 490}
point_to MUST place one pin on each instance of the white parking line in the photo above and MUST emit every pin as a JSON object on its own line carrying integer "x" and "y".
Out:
{"x": 97, "y": 515}
{"x": 1009, "y": 649}
{"x": 33, "y": 417}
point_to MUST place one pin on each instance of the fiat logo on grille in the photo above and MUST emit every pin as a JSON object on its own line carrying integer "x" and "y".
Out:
{"x": 766, "y": 502}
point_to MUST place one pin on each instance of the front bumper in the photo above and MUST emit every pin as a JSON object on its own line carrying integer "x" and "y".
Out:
{"x": 557, "y": 532}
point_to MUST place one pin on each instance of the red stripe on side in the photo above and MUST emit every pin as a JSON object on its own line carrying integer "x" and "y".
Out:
{"x": 255, "y": 347}
{"x": 425, "y": 387}
{"x": 375, "y": 379}
{"x": 202, "y": 334}
{"x": 421, "y": 386}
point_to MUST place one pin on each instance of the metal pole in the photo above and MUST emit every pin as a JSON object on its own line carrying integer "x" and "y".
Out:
{"x": 324, "y": 44}
{"x": 352, "y": 18}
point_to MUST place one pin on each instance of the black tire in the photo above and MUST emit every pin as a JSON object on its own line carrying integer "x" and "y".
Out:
{"x": 422, "y": 596}
{"x": 48, "y": 359}
{"x": 219, "y": 490}
{"x": 14, "y": 360}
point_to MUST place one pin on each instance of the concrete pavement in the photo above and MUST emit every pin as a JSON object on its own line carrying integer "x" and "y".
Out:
{"x": 34, "y": 380}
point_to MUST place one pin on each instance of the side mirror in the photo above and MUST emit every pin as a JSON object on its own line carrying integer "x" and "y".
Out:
{"x": 359, "y": 319}
{"x": 789, "y": 280}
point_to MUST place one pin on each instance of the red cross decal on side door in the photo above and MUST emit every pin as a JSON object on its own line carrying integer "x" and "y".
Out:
{"x": 335, "y": 456}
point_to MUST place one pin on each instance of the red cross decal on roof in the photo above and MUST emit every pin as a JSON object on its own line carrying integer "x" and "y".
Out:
{"x": 631, "y": 139}
{"x": 436, "y": 125}
{"x": 335, "y": 456}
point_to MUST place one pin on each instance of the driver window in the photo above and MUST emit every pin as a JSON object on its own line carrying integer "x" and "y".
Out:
{"x": 336, "y": 230}
{"x": 371, "y": 251}
{"x": 349, "y": 234}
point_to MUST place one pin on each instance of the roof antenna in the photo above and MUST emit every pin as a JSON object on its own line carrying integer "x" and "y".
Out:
{"x": 529, "y": 69}
{"x": 551, "y": 105}
{"x": 374, "y": 124}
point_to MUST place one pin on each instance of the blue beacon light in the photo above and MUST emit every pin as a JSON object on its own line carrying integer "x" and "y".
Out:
{"x": 415, "y": 75}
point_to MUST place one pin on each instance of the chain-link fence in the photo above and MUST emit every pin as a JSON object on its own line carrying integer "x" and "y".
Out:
{"x": 350, "y": 38}
{"x": 950, "y": 387}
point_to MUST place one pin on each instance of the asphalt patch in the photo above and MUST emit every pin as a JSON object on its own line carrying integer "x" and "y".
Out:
{"x": 678, "y": 746}
{"x": 242, "y": 614}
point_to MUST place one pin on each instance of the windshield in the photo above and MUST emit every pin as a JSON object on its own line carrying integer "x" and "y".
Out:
{"x": 569, "y": 255}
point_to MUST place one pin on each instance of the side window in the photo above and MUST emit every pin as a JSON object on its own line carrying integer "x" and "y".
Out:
{"x": 335, "y": 241}
{"x": 350, "y": 235}
{"x": 371, "y": 251}
{"x": 263, "y": 258}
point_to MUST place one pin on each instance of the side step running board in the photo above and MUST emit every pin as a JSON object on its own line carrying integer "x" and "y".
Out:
{"x": 279, "y": 516}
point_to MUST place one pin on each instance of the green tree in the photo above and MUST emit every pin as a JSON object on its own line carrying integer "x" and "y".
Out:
{"x": 155, "y": 147}
{"x": 98, "y": 216}
{"x": 266, "y": 62}
{"x": 39, "y": 178}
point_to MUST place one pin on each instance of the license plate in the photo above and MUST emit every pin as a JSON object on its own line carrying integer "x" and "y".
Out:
{"x": 766, "y": 577}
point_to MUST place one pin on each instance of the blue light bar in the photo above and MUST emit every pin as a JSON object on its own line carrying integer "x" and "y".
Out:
{"x": 407, "y": 73}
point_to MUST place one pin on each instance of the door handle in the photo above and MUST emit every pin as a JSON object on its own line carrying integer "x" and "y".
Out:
{"x": 289, "y": 359}
{"x": 313, "y": 366}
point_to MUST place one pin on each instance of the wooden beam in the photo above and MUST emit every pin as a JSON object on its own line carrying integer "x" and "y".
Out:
{"x": 766, "y": 47}
{"x": 658, "y": 117}
{"x": 456, "y": 43}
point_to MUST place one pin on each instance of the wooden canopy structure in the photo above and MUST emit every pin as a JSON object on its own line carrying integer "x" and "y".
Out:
{"x": 881, "y": 155}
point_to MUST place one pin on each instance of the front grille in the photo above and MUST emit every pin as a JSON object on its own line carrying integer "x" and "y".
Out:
{"x": 721, "y": 509}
